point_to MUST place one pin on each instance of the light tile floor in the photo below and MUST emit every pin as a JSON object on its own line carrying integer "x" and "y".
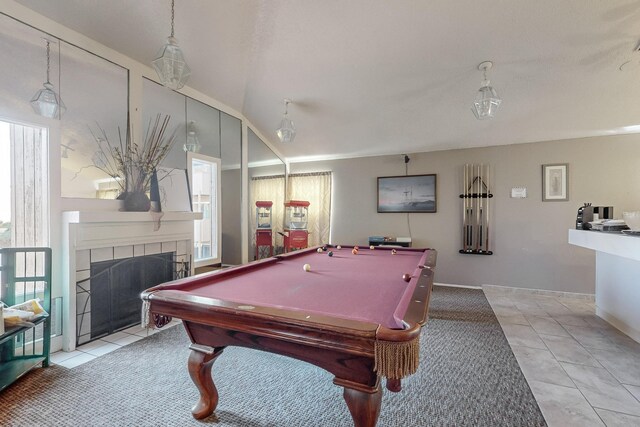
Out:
{"x": 582, "y": 371}
{"x": 90, "y": 351}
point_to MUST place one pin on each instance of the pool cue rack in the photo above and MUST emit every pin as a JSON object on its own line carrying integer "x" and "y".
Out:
{"x": 476, "y": 213}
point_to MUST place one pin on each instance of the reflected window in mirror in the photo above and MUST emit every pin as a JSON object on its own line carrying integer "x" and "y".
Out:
{"x": 266, "y": 185}
{"x": 204, "y": 176}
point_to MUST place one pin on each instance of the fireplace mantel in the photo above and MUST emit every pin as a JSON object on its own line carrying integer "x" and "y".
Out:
{"x": 90, "y": 236}
{"x": 96, "y": 229}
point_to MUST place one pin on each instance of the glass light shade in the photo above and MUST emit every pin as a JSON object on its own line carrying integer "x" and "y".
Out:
{"x": 47, "y": 103}
{"x": 170, "y": 65}
{"x": 287, "y": 131}
{"x": 192, "y": 144}
{"x": 487, "y": 102}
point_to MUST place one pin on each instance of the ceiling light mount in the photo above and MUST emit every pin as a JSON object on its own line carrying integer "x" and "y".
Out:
{"x": 487, "y": 100}
{"x": 287, "y": 130}
{"x": 170, "y": 64}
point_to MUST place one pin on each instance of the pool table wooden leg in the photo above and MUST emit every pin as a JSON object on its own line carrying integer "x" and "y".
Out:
{"x": 200, "y": 363}
{"x": 364, "y": 406}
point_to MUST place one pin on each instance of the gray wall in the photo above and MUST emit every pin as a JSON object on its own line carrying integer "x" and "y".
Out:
{"x": 530, "y": 236}
{"x": 230, "y": 204}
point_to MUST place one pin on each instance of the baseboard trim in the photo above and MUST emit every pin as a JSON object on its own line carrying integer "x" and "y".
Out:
{"x": 451, "y": 285}
{"x": 543, "y": 292}
{"x": 623, "y": 327}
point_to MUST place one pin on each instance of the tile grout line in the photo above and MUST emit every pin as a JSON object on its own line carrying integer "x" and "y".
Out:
{"x": 559, "y": 362}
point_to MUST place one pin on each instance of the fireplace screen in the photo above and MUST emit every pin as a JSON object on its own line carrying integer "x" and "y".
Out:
{"x": 111, "y": 298}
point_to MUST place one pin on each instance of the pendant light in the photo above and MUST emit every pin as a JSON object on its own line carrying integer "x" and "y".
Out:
{"x": 487, "y": 101}
{"x": 170, "y": 65}
{"x": 192, "y": 143}
{"x": 287, "y": 131}
{"x": 46, "y": 102}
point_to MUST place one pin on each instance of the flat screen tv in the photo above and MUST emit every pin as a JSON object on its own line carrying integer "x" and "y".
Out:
{"x": 410, "y": 193}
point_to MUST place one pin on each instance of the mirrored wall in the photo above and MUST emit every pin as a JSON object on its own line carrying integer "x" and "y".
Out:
{"x": 94, "y": 91}
{"x": 266, "y": 199}
{"x": 96, "y": 94}
{"x": 218, "y": 135}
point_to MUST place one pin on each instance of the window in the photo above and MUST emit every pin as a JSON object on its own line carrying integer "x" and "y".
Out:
{"x": 24, "y": 185}
{"x": 204, "y": 177}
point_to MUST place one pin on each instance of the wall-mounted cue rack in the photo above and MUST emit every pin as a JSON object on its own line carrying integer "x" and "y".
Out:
{"x": 476, "y": 213}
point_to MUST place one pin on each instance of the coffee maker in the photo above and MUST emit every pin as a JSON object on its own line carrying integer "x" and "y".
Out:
{"x": 588, "y": 213}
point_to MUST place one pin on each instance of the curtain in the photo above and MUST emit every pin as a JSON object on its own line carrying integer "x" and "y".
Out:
{"x": 314, "y": 188}
{"x": 267, "y": 189}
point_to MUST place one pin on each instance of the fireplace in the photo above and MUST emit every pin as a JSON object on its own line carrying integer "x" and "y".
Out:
{"x": 109, "y": 257}
{"x": 111, "y": 295}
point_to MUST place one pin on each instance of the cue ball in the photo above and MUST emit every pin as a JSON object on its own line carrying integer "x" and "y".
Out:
{"x": 306, "y": 267}
{"x": 319, "y": 250}
{"x": 338, "y": 247}
{"x": 406, "y": 277}
{"x": 393, "y": 252}
{"x": 372, "y": 247}
{"x": 354, "y": 251}
{"x": 330, "y": 253}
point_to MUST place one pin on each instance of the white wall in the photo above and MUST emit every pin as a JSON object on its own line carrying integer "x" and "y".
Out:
{"x": 530, "y": 236}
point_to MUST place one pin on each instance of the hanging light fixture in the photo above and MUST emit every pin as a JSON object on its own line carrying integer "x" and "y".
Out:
{"x": 192, "y": 144}
{"x": 287, "y": 131}
{"x": 170, "y": 65}
{"x": 46, "y": 102}
{"x": 487, "y": 101}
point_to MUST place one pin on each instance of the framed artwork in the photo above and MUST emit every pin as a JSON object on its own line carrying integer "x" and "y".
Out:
{"x": 555, "y": 182}
{"x": 411, "y": 193}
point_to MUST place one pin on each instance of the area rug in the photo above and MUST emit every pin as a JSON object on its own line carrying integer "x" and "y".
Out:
{"x": 468, "y": 376}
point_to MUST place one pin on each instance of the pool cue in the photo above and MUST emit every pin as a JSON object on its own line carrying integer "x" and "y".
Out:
{"x": 469, "y": 208}
{"x": 464, "y": 207}
{"x": 486, "y": 240}
{"x": 480, "y": 208}
{"x": 477, "y": 205}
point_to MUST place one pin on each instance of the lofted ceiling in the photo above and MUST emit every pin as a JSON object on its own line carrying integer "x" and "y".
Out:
{"x": 371, "y": 77}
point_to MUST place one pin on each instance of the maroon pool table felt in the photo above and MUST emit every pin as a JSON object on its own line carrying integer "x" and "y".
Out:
{"x": 368, "y": 286}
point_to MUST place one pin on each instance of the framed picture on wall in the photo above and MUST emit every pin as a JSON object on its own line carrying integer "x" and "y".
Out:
{"x": 555, "y": 182}
{"x": 411, "y": 193}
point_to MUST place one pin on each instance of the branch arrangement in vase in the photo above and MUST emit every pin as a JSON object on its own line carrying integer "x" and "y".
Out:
{"x": 131, "y": 164}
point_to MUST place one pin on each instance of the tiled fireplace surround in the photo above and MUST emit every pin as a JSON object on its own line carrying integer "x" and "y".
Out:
{"x": 90, "y": 237}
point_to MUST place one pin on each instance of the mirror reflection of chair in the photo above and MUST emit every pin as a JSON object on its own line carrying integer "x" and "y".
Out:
{"x": 296, "y": 220}
{"x": 263, "y": 229}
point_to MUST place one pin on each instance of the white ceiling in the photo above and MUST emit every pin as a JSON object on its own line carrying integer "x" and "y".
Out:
{"x": 374, "y": 77}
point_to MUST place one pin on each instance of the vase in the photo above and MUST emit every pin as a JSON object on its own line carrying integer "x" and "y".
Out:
{"x": 136, "y": 201}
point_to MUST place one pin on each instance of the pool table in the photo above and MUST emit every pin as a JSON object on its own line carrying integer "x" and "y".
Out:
{"x": 356, "y": 315}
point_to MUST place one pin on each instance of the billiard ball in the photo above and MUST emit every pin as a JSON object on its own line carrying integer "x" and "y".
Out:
{"x": 393, "y": 252}
{"x": 306, "y": 267}
{"x": 406, "y": 277}
{"x": 356, "y": 247}
{"x": 330, "y": 253}
{"x": 354, "y": 251}
{"x": 319, "y": 250}
{"x": 372, "y": 247}
{"x": 324, "y": 248}
{"x": 338, "y": 247}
